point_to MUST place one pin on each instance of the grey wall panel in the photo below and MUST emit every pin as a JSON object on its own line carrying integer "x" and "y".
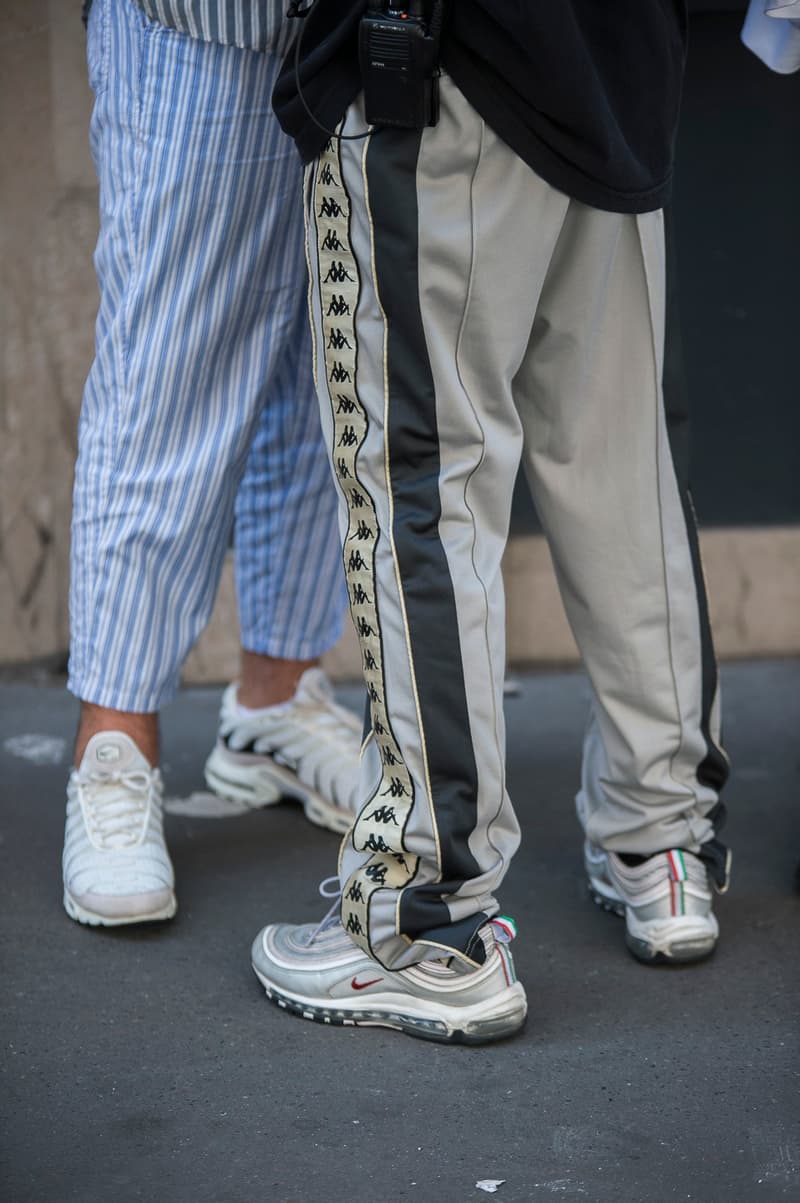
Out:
{"x": 737, "y": 243}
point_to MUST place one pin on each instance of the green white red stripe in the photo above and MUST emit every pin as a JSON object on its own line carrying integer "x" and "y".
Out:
{"x": 505, "y": 929}
{"x": 677, "y": 876}
{"x": 507, "y": 963}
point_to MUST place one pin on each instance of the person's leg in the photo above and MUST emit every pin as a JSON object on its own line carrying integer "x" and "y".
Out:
{"x": 281, "y": 733}
{"x": 195, "y": 180}
{"x": 422, "y": 312}
{"x": 189, "y": 155}
{"x": 427, "y": 254}
{"x": 266, "y": 681}
{"x": 619, "y": 521}
{"x": 289, "y": 576}
{"x": 289, "y": 581}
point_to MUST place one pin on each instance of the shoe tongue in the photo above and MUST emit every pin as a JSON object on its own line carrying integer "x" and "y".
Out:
{"x": 313, "y": 686}
{"x": 113, "y": 752}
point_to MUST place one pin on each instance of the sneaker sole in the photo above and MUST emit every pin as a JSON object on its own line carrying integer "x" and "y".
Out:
{"x": 264, "y": 783}
{"x": 604, "y": 896}
{"x": 675, "y": 941}
{"x": 93, "y": 919}
{"x": 467, "y": 1025}
{"x": 679, "y": 943}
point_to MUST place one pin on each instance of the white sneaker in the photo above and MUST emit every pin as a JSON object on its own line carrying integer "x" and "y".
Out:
{"x": 666, "y": 902}
{"x": 307, "y": 748}
{"x": 116, "y": 865}
{"x": 320, "y": 974}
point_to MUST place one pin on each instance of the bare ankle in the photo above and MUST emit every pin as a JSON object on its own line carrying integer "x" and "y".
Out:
{"x": 141, "y": 728}
{"x": 266, "y": 680}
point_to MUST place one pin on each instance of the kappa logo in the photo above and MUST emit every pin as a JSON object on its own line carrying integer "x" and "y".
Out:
{"x": 357, "y": 985}
{"x": 384, "y": 814}
{"x": 338, "y": 306}
{"x": 363, "y": 531}
{"x": 376, "y": 843}
{"x": 330, "y": 207}
{"x": 337, "y": 274}
{"x": 396, "y": 788}
{"x": 337, "y": 340}
{"x": 340, "y": 374}
{"x": 332, "y": 242}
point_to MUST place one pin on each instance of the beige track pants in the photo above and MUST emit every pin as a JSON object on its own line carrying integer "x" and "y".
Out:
{"x": 467, "y": 315}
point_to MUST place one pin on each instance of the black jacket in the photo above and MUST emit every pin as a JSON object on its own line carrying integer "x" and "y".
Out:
{"x": 587, "y": 92}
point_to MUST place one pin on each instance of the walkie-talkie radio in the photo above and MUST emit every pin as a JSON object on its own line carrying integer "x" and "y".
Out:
{"x": 399, "y": 57}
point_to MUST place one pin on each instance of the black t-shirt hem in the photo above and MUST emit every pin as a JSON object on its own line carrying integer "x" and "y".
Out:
{"x": 589, "y": 103}
{"x": 330, "y": 109}
{"x": 564, "y": 175}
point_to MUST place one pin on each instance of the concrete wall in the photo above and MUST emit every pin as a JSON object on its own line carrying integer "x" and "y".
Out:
{"x": 48, "y": 298}
{"x": 751, "y": 574}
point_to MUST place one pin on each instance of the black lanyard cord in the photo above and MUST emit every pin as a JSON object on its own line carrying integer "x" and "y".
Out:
{"x": 295, "y": 10}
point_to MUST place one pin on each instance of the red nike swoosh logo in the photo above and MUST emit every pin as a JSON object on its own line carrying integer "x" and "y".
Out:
{"x": 373, "y": 981}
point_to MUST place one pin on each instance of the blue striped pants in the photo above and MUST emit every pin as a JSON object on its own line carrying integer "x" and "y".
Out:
{"x": 199, "y": 405}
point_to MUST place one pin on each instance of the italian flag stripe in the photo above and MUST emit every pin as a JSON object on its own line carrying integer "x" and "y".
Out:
{"x": 677, "y": 898}
{"x": 677, "y": 868}
{"x": 508, "y": 965}
{"x": 505, "y": 929}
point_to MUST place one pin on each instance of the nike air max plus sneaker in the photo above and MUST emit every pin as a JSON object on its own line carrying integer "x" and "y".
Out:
{"x": 116, "y": 866}
{"x": 306, "y": 749}
{"x": 665, "y": 900}
{"x": 320, "y": 974}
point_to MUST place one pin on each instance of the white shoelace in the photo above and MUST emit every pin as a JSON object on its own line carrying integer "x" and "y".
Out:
{"x": 328, "y": 888}
{"x": 116, "y": 806}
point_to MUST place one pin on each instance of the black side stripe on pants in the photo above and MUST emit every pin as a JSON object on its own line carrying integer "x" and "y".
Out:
{"x": 713, "y": 769}
{"x": 414, "y": 468}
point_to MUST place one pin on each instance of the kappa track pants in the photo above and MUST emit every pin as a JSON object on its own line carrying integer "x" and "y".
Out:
{"x": 467, "y": 315}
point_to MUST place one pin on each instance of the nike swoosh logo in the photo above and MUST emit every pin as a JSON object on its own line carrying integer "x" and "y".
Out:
{"x": 363, "y": 985}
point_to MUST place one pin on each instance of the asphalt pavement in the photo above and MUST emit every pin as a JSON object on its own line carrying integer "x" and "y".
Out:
{"x": 147, "y": 1064}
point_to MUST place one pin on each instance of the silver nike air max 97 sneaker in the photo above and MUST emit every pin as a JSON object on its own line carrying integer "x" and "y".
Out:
{"x": 665, "y": 901}
{"x": 320, "y": 974}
